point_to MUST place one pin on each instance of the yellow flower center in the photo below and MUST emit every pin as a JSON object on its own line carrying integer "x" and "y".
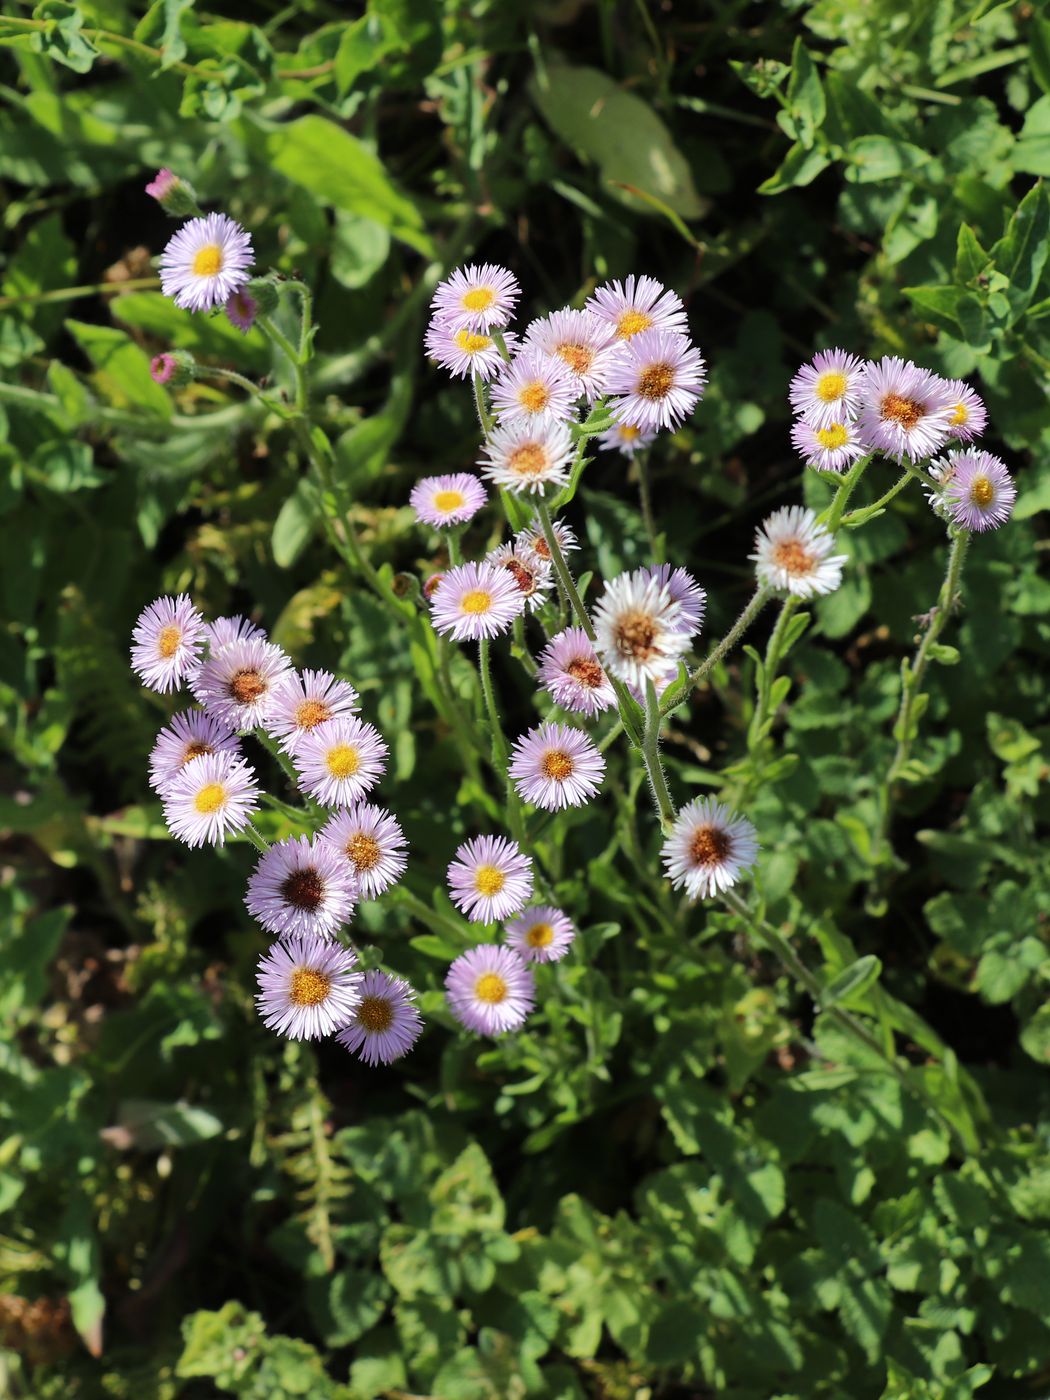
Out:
{"x": 196, "y": 750}
{"x": 476, "y": 601}
{"x": 310, "y": 713}
{"x": 629, "y": 432}
{"x": 533, "y": 397}
{"x": 557, "y": 765}
{"x": 655, "y": 381}
{"x": 830, "y": 386}
{"x": 210, "y": 798}
{"x": 169, "y": 640}
{"x": 960, "y": 415}
{"x": 982, "y": 491}
{"x": 207, "y": 261}
{"x": 898, "y": 409}
{"x": 491, "y": 988}
{"x": 489, "y": 879}
{"x": 530, "y": 459}
{"x": 363, "y": 850}
{"x": 374, "y": 1014}
{"x": 540, "y": 936}
{"x": 835, "y": 436}
{"x": 247, "y": 686}
{"x": 342, "y": 761}
{"x": 478, "y": 299}
{"x": 309, "y": 988}
{"x": 631, "y": 322}
{"x": 470, "y": 342}
{"x": 579, "y": 358}
{"x": 449, "y": 500}
{"x": 793, "y": 557}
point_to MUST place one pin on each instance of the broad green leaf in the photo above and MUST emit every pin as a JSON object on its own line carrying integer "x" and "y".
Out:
{"x": 799, "y": 167}
{"x": 873, "y": 158}
{"x": 1031, "y": 154}
{"x": 1020, "y": 254}
{"x": 121, "y": 368}
{"x": 296, "y": 522}
{"x": 805, "y": 95}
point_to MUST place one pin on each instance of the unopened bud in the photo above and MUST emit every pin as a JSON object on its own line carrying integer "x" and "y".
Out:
{"x": 173, "y": 368}
{"x": 175, "y": 196}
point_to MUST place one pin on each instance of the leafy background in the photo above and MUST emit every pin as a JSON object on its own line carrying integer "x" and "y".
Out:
{"x": 679, "y": 1181}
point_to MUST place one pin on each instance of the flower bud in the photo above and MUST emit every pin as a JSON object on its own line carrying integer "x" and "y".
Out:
{"x": 173, "y": 368}
{"x": 263, "y": 292}
{"x": 175, "y": 196}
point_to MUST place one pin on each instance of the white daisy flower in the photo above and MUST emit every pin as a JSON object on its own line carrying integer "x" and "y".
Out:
{"x": 708, "y": 848}
{"x": 793, "y": 552}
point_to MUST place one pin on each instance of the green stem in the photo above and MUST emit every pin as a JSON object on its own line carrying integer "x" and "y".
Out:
{"x": 676, "y": 693}
{"x": 521, "y": 646}
{"x": 768, "y": 673}
{"x": 863, "y": 513}
{"x": 651, "y": 753}
{"x": 439, "y": 922}
{"x": 500, "y": 747}
{"x": 833, "y": 515}
{"x": 452, "y": 542}
{"x": 484, "y": 416}
{"x": 133, "y": 284}
{"x": 256, "y": 837}
{"x": 645, "y": 495}
{"x": 777, "y": 944}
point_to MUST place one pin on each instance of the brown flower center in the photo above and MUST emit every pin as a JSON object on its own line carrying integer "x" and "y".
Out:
{"x": 168, "y": 641}
{"x": 634, "y": 635}
{"x": 530, "y": 459}
{"x": 246, "y": 686}
{"x": 898, "y": 409}
{"x": 303, "y": 889}
{"x": 309, "y": 988}
{"x": 655, "y": 381}
{"x": 523, "y": 576}
{"x": 310, "y": 713}
{"x": 375, "y": 1014}
{"x": 557, "y": 765}
{"x": 586, "y": 671}
{"x": 540, "y": 546}
{"x": 793, "y": 557}
{"x": 363, "y": 850}
{"x": 709, "y": 845}
{"x": 196, "y": 750}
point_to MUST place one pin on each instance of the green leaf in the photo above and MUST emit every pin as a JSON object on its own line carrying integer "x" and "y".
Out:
{"x": 1031, "y": 154}
{"x": 971, "y": 260}
{"x": 798, "y": 168}
{"x": 295, "y": 524}
{"x": 873, "y": 158}
{"x": 359, "y": 249}
{"x": 63, "y": 40}
{"x": 805, "y": 95}
{"x": 341, "y": 172}
{"x": 121, "y": 369}
{"x": 620, "y": 133}
{"x": 1035, "y": 1037}
{"x": 1020, "y": 254}
{"x": 854, "y": 982}
{"x": 143, "y": 1125}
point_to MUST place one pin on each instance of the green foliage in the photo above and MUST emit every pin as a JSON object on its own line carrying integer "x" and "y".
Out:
{"x": 684, "y": 1176}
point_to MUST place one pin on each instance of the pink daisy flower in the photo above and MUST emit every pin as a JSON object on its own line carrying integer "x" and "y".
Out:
{"x": 640, "y": 631}
{"x": 832, "y": 448}
{"x": 206, "y": 262}
{"x": 162, "y": 184}
{"x": 793, "y": 553}
{"x": 556, "y": 766}
{"x": 636, "y": 305}
{"x": 386, "y": 1022}
{"x": 301, "y": 888}
{"x": 535, "y": 388}
{"x": 489, "y": 879}
{"x": 301, "y": 702}
{"x": 474, "y": 601}
{"x": 190, "y": 734}
{"x": 212, "y": 797}
{"x": 236, "y": 628}
{"x": 464, "y": 352}
{"x": 572, "y": 674}
{"x": 371, "y": 842}
{"x": 528, "y": 454}
{"x": 533, "y": 576}
{"x": 656, "y": 380}
{"x": 167, "y": 642}
{"x": 541, "y": 934}
{"x": 708, "y": 848}
{"x": 969, "y": 415}
{"x": 490, "y": 990}
{"x": 442, "y": 501}
{"x": 237, "y": 682}
{"x": 828, "y": 390}
{"x": 476, "y": 297}
{"x": 584, "y": 343}
{"x": 905, "y": 411}
{"x": 625, "y": 438}
{"x": 536, "y": 540}
{"x": 685, "y": 591}
{"x": 340, "y": 761}
{"x": 307, "y": 988}
{"x": 979, "y": 492}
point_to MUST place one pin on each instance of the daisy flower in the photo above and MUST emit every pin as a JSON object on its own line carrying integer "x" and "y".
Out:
{"x": 832, "y": 448}
{"x": 241, "y": 310}
{"x": 656, "y": 380}
{"x": 190, "y": 734}
{"x": 371, "y": 842}
{"x": 211, "y": 798}
{"x": 639, "y": 627}
{"x": 206, "y": 262}
{"x": 636, "y": 305}
{"x": 979, "y": 493}
{"x": 385, "y": 1023}
{"x": 555, "y": 766}
{"x": 340, "y": 760}
{"x": 793, "y": 552}
{"x": 167, "y": 642}
{"x": 626, "y": 438}
{"x": 235, "y": 628}
{"x": 535, "y": 388}
{"x": 536, "y": 540}
{"x": 307, "y": 988}
{"x": 464, "y": 352}
{"x": 828, "y": 390}
{"x": 582, "y": 342}
{"x": 905, "y": 411}
{"x": 301, "y": 702}
{"x": 541, "y": 934}
{"x": 475, "y": 600}
{"x": 969, "y": 415}
{"x": 572, "y": 675}
{"x": 708, "y": 848}
{"x": 685, "y": 591}
{"x": 447, "y": 500}
{"x": 489, "y": 879}
{"x": 237, "y": 682}
{"x": 533, "y": 575}
{"x": 477, "y": 298}
{"x": 490, "y": 990}
{"x": 301, "y": 887}
{"x": 527, "y": 455}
